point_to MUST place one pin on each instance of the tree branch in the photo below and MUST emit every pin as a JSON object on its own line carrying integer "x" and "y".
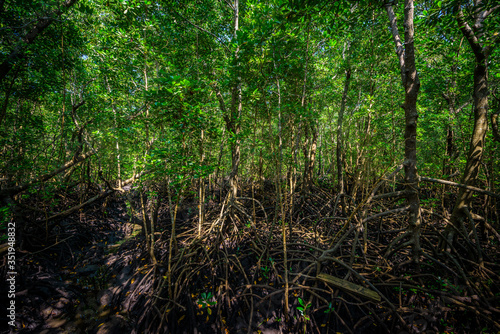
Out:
{"x": 95, "y": 198}
{"x": 16, "y": 190}
{"x": 494, "y": 125}
{"x": 459, "y": 185}
{"x": 397, "y": 41}
{"x": 18, "y": 52}
{"x": 222, "y": 106}
{"x": 469, "y": 35}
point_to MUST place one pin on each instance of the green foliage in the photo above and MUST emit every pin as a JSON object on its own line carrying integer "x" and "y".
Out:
{"x": 5, "y": 218}
{"x": 330, "y": 308}
{"x": 303, "y": 309}
{"x": 206, "y": 300}
{"x": 150, "y": 74}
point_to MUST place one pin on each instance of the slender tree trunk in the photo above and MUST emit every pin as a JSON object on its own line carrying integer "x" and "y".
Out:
{"x": 310, "y": 154}
{"x": 475, "y": 154}
{"x": 233, "y": 115}
{"x": 280, "y": 199}
{"x": 310, "y": 128}
{"x": 201, "y": 193}
{"x": 411, "y": 84}
{"x": 494, "y": 119}
{"x": 117, "y": 144}
{"x": 236, "y": 108}
{"x": 340, "y": 139}
{"x": 480, "y": 98}
{"x": 412, "y": 87}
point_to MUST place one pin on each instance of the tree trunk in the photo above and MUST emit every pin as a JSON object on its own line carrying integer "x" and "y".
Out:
{"x": 201, "y": 190}
{"x": 340, "y": 143}
{"x": 411, "y": 84}
{"x": 480, "y": 97}
{"x": 474, "y": 156}
{"x": 233, "y": 119}
{"x": 310, "y": 154}
{"x": 494, "y": 119}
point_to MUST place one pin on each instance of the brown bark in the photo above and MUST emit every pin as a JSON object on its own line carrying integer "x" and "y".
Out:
{"x": 494, "y": 125}
{"x": 233, "y": 124}
{"x": 494, "y": 120}
{"x": 400, "y": 51}
{"x": 233, "y": 127}
{"x": 310, "y": 128}
{"x": 480, "y": 97}
{"x": 310, "y": 147}
{"x": 232, "y": 116}
{"x": 411, "y": 84}
{"x": 340, "y": 140}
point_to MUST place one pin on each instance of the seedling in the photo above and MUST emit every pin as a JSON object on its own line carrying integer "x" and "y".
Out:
{"x": 205, "y": 301}
{"x": 330, "y": 308}
{"x": 303, "y": 309}
{"x": 265, "y": 271}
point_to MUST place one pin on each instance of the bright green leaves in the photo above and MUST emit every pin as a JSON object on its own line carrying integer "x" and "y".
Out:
{"x": 206, "y": 300}
{"x": 303, "y": 309}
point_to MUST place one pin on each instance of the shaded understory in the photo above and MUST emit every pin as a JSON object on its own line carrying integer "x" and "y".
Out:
{"x": 91, "y": 272}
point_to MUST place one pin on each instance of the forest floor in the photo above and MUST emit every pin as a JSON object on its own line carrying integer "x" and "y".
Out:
{"x": 91, "y": 272}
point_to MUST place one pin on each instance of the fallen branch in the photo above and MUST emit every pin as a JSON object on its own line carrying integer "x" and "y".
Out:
{"x": 350, "y": 287}
{"x": 4, "y": 248}
{"x": 450, "y": 183}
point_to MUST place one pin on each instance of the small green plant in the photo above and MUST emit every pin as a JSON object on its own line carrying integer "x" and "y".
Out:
{"x": 205, "y": 301}
{"x": 303, "y": 309}
{"x": 265, "y": 271}
{"x": 330, "y": 308}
